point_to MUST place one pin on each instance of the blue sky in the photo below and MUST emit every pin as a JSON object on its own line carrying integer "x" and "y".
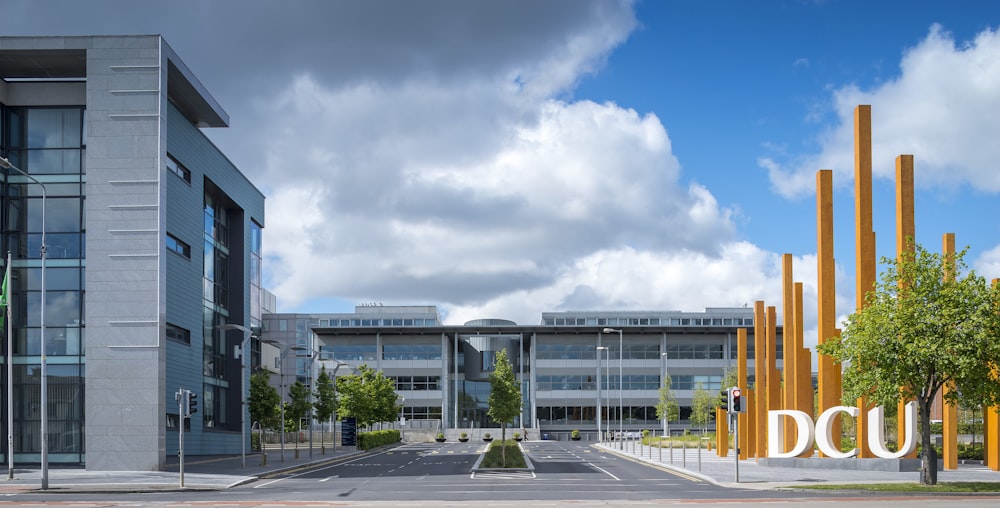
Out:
{"x": 501, "y": 159}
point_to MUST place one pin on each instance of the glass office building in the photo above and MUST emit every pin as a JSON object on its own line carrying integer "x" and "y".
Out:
{"x": 152, "y": 242}
{"x": 569, "y": 367}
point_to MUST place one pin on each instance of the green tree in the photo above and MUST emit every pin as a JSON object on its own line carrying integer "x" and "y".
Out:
{"x": 368, "y": 396}
{"x": 702, "y": 405}
{"x": 297, "y": 408}
{"x": 924, "y": 326}
{"x": 325, "y": 398}
{"x": 505, "y": 397}
{"x": 264, "y": 402}
{"x": 667, "y": 408}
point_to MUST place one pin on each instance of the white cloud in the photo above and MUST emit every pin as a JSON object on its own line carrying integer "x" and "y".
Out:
{"x": 940, "y": 109}
{"x": 988, "y": 264}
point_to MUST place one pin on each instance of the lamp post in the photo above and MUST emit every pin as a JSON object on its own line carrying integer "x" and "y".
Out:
{"x": 6, "y": 164}
{"x": 621, "y": 383}
{"x": 243, "y": 385}
{"x": 312, "y": 386}
{"x": 600, "y": 436}
{"x": 663, "y": 379}
{"x": 333, "y": 419}
{"x": 281, "y": 385}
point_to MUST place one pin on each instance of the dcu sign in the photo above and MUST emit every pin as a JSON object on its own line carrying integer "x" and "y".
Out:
{"x": 807, "y": 433}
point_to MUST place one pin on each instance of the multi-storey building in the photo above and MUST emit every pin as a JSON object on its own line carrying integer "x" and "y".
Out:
{"x": 568, "y": 366}
{"x": 152, "y": 239}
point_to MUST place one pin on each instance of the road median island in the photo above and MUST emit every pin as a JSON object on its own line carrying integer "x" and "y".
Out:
{"x": 491, "y": 460}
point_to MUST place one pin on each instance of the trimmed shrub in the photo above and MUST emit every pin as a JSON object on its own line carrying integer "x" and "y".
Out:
{"x": 375, "y": 438}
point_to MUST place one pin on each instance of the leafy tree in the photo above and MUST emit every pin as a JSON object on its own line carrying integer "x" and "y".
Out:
{"x": 702, "y": 406}
{"x": 298, "y": 407}
{"x": 325, "y": 398}
{"x": 505, "y": 396}
{"x": 368, "y": 396}
{"x": 924, "y": 326}
{"x": 264, "y": 402}
{"x": 667, "y": 409}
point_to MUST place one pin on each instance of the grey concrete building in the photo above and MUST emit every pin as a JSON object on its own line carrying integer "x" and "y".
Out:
{"x": 573, "y": 366}
{"x": 153, "y": 243}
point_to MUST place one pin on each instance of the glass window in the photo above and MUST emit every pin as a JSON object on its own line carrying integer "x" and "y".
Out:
{"x": 178, "y": 169}
{"x": 175, "y": 245}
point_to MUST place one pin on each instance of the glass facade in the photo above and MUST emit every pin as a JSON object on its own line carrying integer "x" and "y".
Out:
{"x": 48, "y": 143}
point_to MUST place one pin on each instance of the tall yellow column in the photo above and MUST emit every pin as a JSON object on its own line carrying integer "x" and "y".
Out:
{"x": 721, "y": 432}
{"x": 743, "y": 425}
{"x": 864, "y": 235}
{"x": 905, "y": 240}
{"x": 949, "y": 412}
{"x": 829, "y": 371}
{"x": 760, "y": 378}
{"x": 789, "y": 345}
{"x": 991, "y": 424}
{"x": 773, "y": 381}
{"x": 803, "y": 363}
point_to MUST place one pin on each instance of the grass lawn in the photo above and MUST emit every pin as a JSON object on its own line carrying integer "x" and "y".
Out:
{"x": 493, "y": 458}
{"x": 913, "y": 487}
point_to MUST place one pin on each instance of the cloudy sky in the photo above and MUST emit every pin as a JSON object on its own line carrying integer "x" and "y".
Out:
{"x": 500, "y": 159}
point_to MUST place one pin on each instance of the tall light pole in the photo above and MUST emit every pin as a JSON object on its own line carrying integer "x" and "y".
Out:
{"x": 600, "y": 436}
{"x": 663, "y": 380}
{"x": 312, "y": 387}
{"x": 6, "y": 164}
{"x": 281, "y": 385}
{"x": 243, "y": 385}
{"x": 333, "y": 419}
{"x": 621, "y": 383}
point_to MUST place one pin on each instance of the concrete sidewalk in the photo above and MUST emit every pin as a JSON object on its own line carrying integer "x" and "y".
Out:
{"x": 707, "y": 466}
{"x": 200, "y": 473}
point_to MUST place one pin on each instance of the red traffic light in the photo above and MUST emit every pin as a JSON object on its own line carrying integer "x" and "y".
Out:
{"x": 736, "y": 392}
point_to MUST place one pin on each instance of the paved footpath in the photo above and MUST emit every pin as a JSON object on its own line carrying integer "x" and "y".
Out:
{"x": 200, "y": 473}
{"x": 708, "y": 466}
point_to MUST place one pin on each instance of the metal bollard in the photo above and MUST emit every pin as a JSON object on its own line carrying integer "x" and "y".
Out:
{"x": 684, "y": 457}
{"x": 671, "y": 452}
{"x": 699, "y": 457}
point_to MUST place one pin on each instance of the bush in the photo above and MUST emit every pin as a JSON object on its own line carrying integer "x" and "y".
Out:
{"x": 493, "y": 457}
{"x": 369, "y": 440}
{"x": 517, "y": 435}
{"x": 463, "y": 435}
{"x": 574, "y": 434}
{"x": 487, "y": 436}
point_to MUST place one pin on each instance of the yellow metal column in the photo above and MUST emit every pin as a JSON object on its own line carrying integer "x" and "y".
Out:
{"x": 790, "y": 347}
{"x": 803, "y": 364}
{"x": 991, "y": 425}
{"x": 743, "y": 425}
{"x": 905, "y": 241}
{"x": 760, "y": 378}
{"x": 864, "y": 236}
{"x": 949, "y": 412}
{"x": 829, "y": 371}
{"x": 721, "y": 432}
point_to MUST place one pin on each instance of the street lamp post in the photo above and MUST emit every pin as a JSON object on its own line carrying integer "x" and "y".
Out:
{"x": 281, "y": 385}
{"x": 312, "y": 387}
{"x": 6, "y": 164}
{"x": 663, "y": 380}
{"x": 243, "y": 385}
{"x": 600, "y": 436}
{"x": 621, "y": 383}
{"x": 333, "y": 419}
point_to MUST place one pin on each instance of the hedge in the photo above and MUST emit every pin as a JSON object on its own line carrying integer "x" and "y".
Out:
{"x": 376, "y": 438}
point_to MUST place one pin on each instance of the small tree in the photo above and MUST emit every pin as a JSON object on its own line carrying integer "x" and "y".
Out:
{"x": 702, "y": 406}
{"x": 263, "y": 402}
{"x": 368, "y": 396}
{"x": 667, "y": 408}
{"x": 922, "y": 327}
{"x": 298, "y": 407}
{"x": 505, "y": 397}
{"x": 325, "y": 398}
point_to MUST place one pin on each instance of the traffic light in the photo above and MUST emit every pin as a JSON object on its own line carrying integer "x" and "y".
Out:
{"x": 724, "y": 400}
{"x": 192, "y": 403}
{"x": 736, "y": 400}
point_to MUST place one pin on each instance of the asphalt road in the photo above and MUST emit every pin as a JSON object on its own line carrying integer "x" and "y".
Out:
{"x": 438, "y": 475}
